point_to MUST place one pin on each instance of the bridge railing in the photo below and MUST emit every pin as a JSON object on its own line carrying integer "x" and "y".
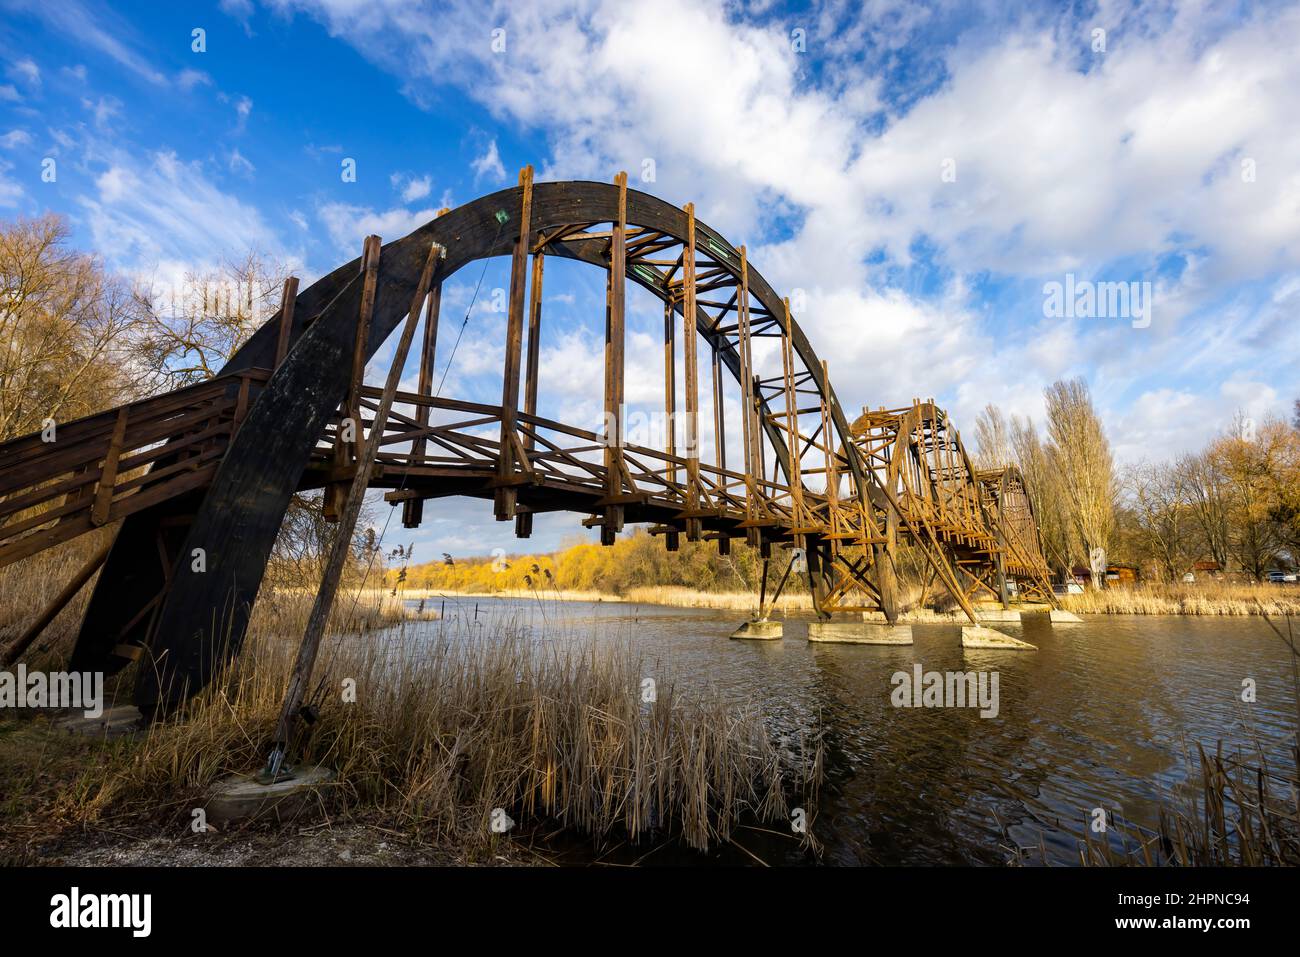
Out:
{"x": 77, "y": 476}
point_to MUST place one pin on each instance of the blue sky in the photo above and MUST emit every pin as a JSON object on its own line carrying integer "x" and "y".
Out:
{"x": 920, "y": 171}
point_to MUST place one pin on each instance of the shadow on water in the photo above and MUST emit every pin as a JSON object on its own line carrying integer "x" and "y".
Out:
{"x": 1103, "y": 715}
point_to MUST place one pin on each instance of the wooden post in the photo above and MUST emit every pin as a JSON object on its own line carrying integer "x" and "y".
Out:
{"x": 690, "y": 344}
{"x": 793, "y": 438}
{"x": 345, "y": 452}
{"x": 671, "y": 538}
{"x": 832, "y": 467}
{"x": 288, "y": 298}
{"x": 615, "y": 293}
{"x": 524, "y": 520}
{"x": 719, "y": 419}
{"x": 99, "y": 512}
{"x": 413, "y": 509}
{"x": 300, "y": 679}
{"x": 749, "y": 426}
{"x": 506, "y": 494}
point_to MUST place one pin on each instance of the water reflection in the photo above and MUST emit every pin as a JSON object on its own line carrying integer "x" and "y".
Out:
{"x": 1101, "y": 716}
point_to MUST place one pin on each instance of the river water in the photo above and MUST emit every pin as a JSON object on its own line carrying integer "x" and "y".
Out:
{"x": 1103, "y": 715}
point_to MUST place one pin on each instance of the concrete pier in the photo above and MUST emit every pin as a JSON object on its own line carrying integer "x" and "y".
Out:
{"x": 1055, "y": 615}
{"x": 859, "y": 633}
{"x": 998, "y": 614}
{"x": 242, "y": 797}
{"x": 977, "y": 636}
{"x": 759, "y": 629}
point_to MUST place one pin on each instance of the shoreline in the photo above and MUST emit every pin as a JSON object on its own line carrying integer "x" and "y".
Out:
{"x": 1240, "y": 602}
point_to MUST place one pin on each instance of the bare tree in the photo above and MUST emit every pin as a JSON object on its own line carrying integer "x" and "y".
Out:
{"x": 65, "y": 324}
{"x": 190, "y": 331}
{"x": 992, "y": 439}
{"x": 1080, "y": 454}
{"x": 1207, "y": 497}
{"x": 1158, "y": 501}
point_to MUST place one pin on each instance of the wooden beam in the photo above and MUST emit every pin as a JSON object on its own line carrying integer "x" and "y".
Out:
{"x": 413, "y": 509}
{"x": 345, "y": 452}
{"x": 506, "y": 496}
{"x": 108, "y": 473}
{"x": 690, "y": 345}
{"x": 288, "y": 298}
{"x": 615, "y": 293}
{"x": 300, "y": 679}
{"x": 524, "y": 520}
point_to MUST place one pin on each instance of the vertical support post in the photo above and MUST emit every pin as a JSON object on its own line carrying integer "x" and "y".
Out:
{"x": 524, "y": 520}
{"x": 99, "y": 511}
{"x": 692, "y": 371}
{"x": 300, "y": 678}
{"x": 719, "y": 419}
{"x": 506, "y": 494}
{"x": 615, "y": 291}
{"x": 288, "y": 298}
{"x": 345, "y": 450}
{"x": 749, "y": 425}
{"x": 671, "y": 538}
{"x": 832, "y": 472}
{"x": 793, "y": 438}
{"x": 413, "y": 508}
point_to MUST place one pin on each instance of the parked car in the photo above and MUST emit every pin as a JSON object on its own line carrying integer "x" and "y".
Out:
{"x": 1280, "y": 577}
{"x": 1189, "y": 579}
{"x": 1069, "y": 588}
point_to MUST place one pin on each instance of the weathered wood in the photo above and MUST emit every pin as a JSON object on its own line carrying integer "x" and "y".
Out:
{"x": 615, "y": 290}
{"x": 288, "y": 299}
{"x": 506, "y": 497}
{"x": 345, "y": 450}
{"x": 300, "y": 678}
{"x": 202, "y": 619}
{"x": 690, "y": 344}
{"x": 108, "y": 473}
{"x": 524, "y": 520}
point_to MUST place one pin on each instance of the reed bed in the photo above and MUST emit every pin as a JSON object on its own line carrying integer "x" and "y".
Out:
{"x": 445, "y": 730}
{"x": 1234, "y": 815}
{"x": 1216, "y": 598}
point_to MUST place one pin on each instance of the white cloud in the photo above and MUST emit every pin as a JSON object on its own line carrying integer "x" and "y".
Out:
{"x": 188, "y": 79}
{"x": 26, "y": 71}
{"x": 141, "y": 214}
{"x": 489, "y": 165}
{"x": 15, "y": 138}
{"x": 417, "y": 189}
{"x": 1064, "y": 162}
{"x": 349, "y": 225}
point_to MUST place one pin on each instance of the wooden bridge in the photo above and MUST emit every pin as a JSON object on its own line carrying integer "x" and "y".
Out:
{"x": 213, "y": 467}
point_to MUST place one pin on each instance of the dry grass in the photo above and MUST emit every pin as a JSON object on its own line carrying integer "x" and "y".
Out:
{"x": 1211, "y": 598}
{"x": 446, "y": 729}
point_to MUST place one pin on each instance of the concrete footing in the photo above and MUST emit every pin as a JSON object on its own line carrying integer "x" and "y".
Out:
{"x": 1054, "y": 615}
{"x": 242, "y": 797}
{"x": 977, "y": 636}
{"x": 113, "y": 723}
{"x": 860, "y": 633}
{"x": 764, "y": 630}
{"x": 998, "y": 614}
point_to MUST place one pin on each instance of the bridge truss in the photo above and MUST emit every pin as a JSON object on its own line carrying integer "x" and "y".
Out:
{"x": 213, "y": 466}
